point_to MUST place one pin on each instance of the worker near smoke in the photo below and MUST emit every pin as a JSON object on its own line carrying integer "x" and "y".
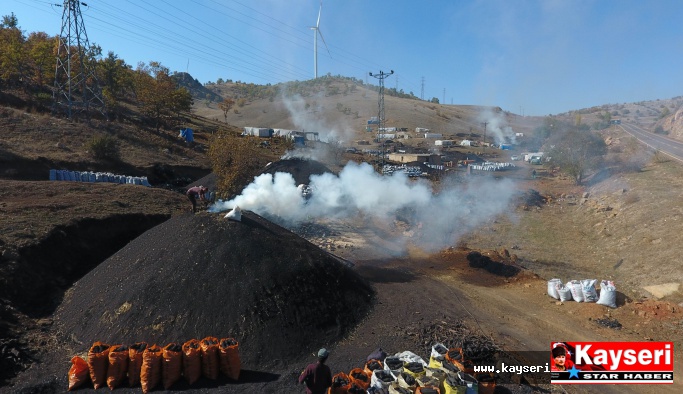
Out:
{"x": 317, "y": 376}
{"x": 196, "y": 192}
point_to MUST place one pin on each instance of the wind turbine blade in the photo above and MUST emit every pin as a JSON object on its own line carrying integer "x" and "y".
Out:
{"x": 328, "y": 49}
{"x": 319, "y": 12}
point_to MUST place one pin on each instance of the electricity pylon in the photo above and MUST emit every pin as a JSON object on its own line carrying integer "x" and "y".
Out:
{"x": 76, "y": 84}
{"x": 380, "y": 127}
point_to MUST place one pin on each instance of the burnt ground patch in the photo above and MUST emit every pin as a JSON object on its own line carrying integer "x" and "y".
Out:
{"x": 478, "y": 260}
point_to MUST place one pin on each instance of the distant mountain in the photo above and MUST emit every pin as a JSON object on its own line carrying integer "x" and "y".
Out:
{"x": 196, "y": 89}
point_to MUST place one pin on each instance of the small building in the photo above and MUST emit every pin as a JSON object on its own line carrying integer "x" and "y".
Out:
{"x": 421, "y": 130}
{"x": 466, "y": 143}
{"x": 433, "y": 135}
{"x": 258, "y": 132}
{"x": 505, "y": 147}
{"x": 444, "y": 142}
{"x": 415, "y": 157}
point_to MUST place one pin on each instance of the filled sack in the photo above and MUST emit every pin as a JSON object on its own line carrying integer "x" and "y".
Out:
{"x": 135, "y": 362}
{"x": 171, "y": 364}
{"x": 150, "y": 371}
{"x": 230, "y": 358}
{"x": 118, "y": 366}
{"x": 210, "y": 357}
{"x": 192, "y": 361}
{"x": 78, "y": 373}
{"x": 98, "y": 362}
{"x": 608, "y": 294}
{"x": 588, "y": 289}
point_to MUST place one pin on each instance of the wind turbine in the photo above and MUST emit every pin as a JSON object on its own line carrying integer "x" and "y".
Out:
{"x": 316, "y": 31}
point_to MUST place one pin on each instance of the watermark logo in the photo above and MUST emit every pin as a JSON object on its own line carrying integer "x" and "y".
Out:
{"x": 611, "y": 362}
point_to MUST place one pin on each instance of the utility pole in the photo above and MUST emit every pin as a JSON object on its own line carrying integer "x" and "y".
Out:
{"x": 75, "y": 78}
{"x": 485, "y": 123}
{"x": 380, "y": 116}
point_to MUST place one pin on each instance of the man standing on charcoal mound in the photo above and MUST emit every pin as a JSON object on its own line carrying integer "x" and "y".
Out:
{"x": 317, "y": 376}
{"x": 193, "y": 193}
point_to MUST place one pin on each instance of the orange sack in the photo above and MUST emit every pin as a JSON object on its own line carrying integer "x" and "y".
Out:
{"x": 340, "y": 384}
{"x": 118, "y": 365}
{"x": 135, "y": 362}
{"x": 78, "y": 373}
{"x": 360, "y": 378}
{"x": 171, "y": 364}
{"x": 150, "y": 372}
{"x": 192, "y": 361}
{"x": 230, "y": 358}
{"x": 98, "y": 361}
{"x": 210, "y": 358}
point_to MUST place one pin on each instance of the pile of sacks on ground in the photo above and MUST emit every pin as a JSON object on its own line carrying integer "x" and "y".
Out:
{"x": 447, "y": 372}
{"x": 148, "y": 366}
{"x": 584, "y": 291}
{"x": 89, "y": 176}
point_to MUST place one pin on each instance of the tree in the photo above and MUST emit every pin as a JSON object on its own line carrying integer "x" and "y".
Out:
{"x": 225, "y": 106}
{"x": 158, "y": 93}
{"x": 235, "y": 160}
{"x": 41, "y": 58}
{"x": 577, "y": 152}
{"x": 12, "y": 50}
{"x": 435, "y": 100}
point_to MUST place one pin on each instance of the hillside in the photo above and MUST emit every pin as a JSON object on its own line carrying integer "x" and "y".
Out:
{"x": 621, "y": 225}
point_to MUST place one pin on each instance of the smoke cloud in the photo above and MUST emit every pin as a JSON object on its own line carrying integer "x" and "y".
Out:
{"x": 496, "y": 127}
{"x": 438, "y": 219}
{"x": 305, "y": 116}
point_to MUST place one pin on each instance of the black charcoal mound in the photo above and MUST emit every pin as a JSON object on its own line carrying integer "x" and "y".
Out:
{"x": 202, "y": 275}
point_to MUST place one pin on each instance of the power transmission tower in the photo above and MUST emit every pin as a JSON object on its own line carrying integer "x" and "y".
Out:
{"x": 76, "y": 84}
{"x": 422, "y": 91}
{"x": 485, "y": 123}
{"x": 380, "y": 118}
{"x": 444, "y": 96}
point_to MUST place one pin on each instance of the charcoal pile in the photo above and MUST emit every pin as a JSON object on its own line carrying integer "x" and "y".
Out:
{"x": 609, "y": 323}
{"x": 196, "y": 275}
{"x": 300, "y": 169}
{"x": 531, "y": 198}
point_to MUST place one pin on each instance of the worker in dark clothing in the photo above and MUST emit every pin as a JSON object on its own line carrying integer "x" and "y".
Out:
{"x": 196, "y": 192}
{"x": 317, "y": 376}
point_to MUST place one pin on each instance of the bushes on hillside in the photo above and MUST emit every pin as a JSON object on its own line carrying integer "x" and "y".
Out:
{"x": 104, "y": 147}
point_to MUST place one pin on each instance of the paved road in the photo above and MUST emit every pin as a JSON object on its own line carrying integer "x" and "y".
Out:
{"x": 666, "y": 145}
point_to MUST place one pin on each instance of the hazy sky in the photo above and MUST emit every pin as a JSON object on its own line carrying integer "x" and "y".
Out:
{"x": 534, "y": 57}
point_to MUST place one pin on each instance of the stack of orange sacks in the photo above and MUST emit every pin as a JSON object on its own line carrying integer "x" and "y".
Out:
{"x": 116, "y": 365}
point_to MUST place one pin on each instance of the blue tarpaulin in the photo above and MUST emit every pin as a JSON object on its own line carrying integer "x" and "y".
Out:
{"x": 187, "y": 133}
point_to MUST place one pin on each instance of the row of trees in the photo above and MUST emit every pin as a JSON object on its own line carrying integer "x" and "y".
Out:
{"x": 28, "y": 62}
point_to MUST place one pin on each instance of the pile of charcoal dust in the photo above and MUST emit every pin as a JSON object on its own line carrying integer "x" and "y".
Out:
{"x": 200, "y": 275}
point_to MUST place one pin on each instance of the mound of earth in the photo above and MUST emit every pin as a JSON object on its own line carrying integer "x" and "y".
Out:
{"x": 301, "y": 169}
{"x": 202, "y": 275}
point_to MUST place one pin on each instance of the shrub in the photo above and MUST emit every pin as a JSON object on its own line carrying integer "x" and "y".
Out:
{"x": 104, "y": 147}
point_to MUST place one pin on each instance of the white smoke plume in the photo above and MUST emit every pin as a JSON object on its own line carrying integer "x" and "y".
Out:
{"x": 305, "y": 115}
{"x": 496, "y": 126}
{"x": 439, "y": 218}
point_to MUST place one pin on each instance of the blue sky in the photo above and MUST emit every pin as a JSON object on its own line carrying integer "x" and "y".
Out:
{"x": 534, "y": 57}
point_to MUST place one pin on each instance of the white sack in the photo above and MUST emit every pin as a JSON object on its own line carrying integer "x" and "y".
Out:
{"x": 552, "y": 290}
{"x": 608, "y": 294}
{"x": 589, "y": 292}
